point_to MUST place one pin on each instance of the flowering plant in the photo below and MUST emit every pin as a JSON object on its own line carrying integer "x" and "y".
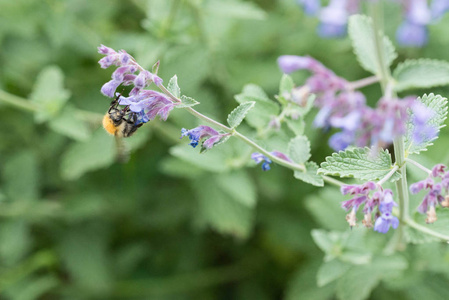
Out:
{"x": 362, "y": 134}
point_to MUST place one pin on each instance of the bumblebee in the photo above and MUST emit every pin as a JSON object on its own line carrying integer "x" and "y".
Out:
{"x": 120, "y": 122}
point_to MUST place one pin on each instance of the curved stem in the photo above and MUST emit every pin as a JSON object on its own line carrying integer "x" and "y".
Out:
{"x": 425, "y": 229}
{"x": 388, "y": 176}
{"x": 18, "y": 102}
{"x": 354, "y": 85}
{"x": 417, "y": 164}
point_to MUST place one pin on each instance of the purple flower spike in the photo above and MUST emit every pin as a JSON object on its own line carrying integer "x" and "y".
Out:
{"x": 105, "y": 50}
{"x": 291, "y": 63}
{"x": 258, "y": 158}
{"x": 412, "y": 35}
{"x": 384, "y": 222}
{"x": 198, "y": 133}
{"x": 311, "y": 7}
{"x": 438, "y": 8}
{"x": 108, "y": 89}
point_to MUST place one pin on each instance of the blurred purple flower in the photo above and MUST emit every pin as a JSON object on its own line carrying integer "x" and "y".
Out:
{"x": 260, "y": 158}
{"x": 412, "y": 35}
{"x": 202, "y": 132}
{"x": 311, "y": 7}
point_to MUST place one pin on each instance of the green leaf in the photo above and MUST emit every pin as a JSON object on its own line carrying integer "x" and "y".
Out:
{"x": 330, "y": 271}
{"x": 361, "y": 163}
{"x": 361, "y": 32}
{"x": 49, "y": 93}
{"x": 186, "y": 102}
{"x": 69, "y": 124}
{"x": 357, "y": 284}
{"x": 437, "y": 104}
{"x": 299, "y": 149}
{"x": 239, "y": 113}
{"x": 235, "y": 9}
{"x": 238, "y": 186}
{"x": 310, "y": 175}
{"x": 359, "y": 281}
{"x": 220, "y": 210}
{"x": 325, "y": 208}
{"x": 95, "y": 153}
{"x": 173, "y": 87}
{"x": 212, "y": 161}
{"x": 21, "y": 176}
{"x": 421, "y": 73}
{"x": 286, "y": 85}
{"x": 296, "y": 126}
{"x": 325, "y": 240}
{"x": 264, "y": 109}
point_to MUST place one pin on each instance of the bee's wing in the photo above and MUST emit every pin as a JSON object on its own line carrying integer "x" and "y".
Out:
{"x": 123, "y": 152}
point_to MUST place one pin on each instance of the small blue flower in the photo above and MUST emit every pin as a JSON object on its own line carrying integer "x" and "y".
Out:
{"x": 258, "y": 158}
{"x": 327, "y": 30}
{"x": 311, "y": 7}
{"x": 412, "y": 35}
{"x": 439, "y": 8}
{"x": 198, "y": 133}
{"x": 341, "y": 140}
{"x": 384, "y": 222}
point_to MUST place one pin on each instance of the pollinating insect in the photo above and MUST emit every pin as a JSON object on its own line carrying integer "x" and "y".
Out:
{"x": 121, "y": 122}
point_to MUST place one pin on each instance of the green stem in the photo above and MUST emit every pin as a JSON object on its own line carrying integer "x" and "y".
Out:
{"x": 417, "y": 164}
{"x": 425, "y": 229}
{"x": 388, "y": 176}
{"x": 18, "y": 101}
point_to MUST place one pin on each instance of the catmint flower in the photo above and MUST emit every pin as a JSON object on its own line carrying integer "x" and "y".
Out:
{"x": 382, "y": 199}
{"x": 412, "y": 35}
{"x": 260, "y": 158}
{"x": 292, "y": 63}
{"x": 438, "y": 8}
{"x": 435, "y": 192}
{"x": 311, "y": 7}
{"x": 203, "y": 132}
{"x": 423, "y": 130}
{"x": 125, "y": 72}
{"x": 151, "y": 102}
{"x": 334, "y": 19}
{"x": 386, "y": 219}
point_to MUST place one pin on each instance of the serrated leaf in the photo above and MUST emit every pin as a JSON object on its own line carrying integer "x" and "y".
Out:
{"x": 173, "y": 87}
{"x": 437, "y": 104}
{"x": 330, "y": 271}
{"x": 186, "y": 102}
{"x": 264, "y": 109}
{"x": 310, "y": 175}
{"x": 421, "y": 73}
{"x": 286, "y": 85}
{"x": 361, "y": 163}
{"x": 299, "y": 149}
{"x": 361, "y": 32}
{"x": 239, "y": 113}
{"x": 296, "y": 126}
{"x": 49, "y": 93}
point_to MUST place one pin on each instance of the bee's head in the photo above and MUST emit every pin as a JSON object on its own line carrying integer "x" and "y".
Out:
{"x": 116, "y": 115}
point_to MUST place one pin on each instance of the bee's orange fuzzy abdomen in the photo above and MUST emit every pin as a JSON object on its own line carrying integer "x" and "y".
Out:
{"x": 109, "y": 125}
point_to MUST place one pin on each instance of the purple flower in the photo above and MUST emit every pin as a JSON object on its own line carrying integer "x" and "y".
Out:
{"x": 311, "y": 7}
{"x": 423, "y": 130}
{"x": 412, "y": 35}
{"x": 435, "y": 192}
{"x": 291, "y": 63}
{"x": 260, "y": 158}
{"x": 152, "y": 102}
{"x": 326, "y": 30}
{"x": 418, "y": 12}
{"x": 385, "y": 221}
{"x": 198, "y": 133}
{"x": 438, "y": 8}
{"x": 341, "y": 140}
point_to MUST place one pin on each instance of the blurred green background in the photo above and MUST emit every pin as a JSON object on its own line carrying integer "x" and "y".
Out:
{"x": 170, "y": 223}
